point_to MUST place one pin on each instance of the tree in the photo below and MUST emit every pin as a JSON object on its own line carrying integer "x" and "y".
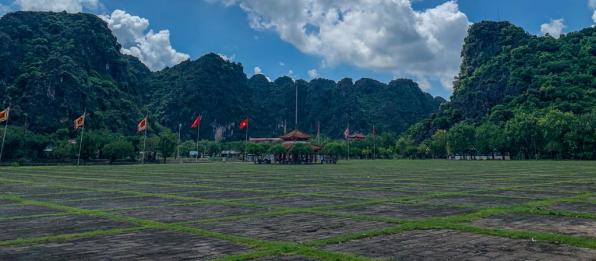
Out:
{"x": 301, "y": 149}
{"x": 386, "y": 152}
{"x": 334, "y": 149}
{"x": 118, "y": 149}
{"x": 490, "y": 138}
{"x": 555, "y": 126}
{"x": 405, "y": 147}
{"x": 187, "y": 146}
{"x": 438, "y": 144}
{"x": 461, "y": 139}
{"x": 277, "y": 149}
{"x": 524, "y": 134}
{"x": 167, "y": 144}
{"x": 423, "y": 151}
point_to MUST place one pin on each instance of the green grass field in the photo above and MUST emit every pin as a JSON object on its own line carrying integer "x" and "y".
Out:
{"x": 356, "y": 210}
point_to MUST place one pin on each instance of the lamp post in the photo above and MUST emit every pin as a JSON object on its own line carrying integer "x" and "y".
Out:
{"x": 178, "y": 147}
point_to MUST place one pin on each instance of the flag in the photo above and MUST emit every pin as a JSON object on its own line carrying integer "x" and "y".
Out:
{"x": 142, "y": 125}
{"x": 4, "y": 114}
{"x": 79, "y": 122}
{"x": 347, "y": 133}
{"x": 244, "y": 123}
{"x": 196, "y": 123}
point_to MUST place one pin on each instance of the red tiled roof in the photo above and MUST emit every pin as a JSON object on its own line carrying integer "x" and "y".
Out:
{"x": 295, "y": 135}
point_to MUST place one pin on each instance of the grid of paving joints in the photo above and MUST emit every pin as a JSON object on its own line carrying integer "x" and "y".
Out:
{"x": 284, "y": 214}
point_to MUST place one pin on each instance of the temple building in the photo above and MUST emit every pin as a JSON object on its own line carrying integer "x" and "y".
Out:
{"x": 298, "y": 149}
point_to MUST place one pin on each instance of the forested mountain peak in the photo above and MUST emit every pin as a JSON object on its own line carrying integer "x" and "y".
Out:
{"x": 56, "y": 65}
{"x": 514, "y": 82}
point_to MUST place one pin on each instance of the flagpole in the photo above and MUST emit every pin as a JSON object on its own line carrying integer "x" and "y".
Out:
{"x": 318, "y": 132}
{"x": 348, "y": 138}
{"x": 318, "y": 137}
{"x": 246, "y": 134}
{"x": 82, "y": 133}
{"x": 145, "y": 140}
{"x": 374, "y": 143}
{"x": 4, "y": 135}
{"x": 178, "y": 147}
{"x": 198, "y": 133}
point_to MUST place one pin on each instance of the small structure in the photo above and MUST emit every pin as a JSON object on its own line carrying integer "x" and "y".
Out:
{"x": 357, "y": 136}
{"x": 297, "y": 149}
{"x": 229, "y": 154}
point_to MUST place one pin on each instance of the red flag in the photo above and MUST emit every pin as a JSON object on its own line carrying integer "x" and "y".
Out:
{"x": 142, "y": 125}
{"x": 244, "y": 123}
{"x": 79, "y": 122}
{"x": 347, "y": 133}
{"x": 4, "y": 114}
{"x": 196, "y": 123}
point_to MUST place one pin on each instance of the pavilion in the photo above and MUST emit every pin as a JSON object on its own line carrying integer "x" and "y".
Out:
{"x": 297, "y": 149}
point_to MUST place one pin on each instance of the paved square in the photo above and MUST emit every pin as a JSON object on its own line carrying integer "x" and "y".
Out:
{"x": 355, "y": 210}
{"x": 54, "y": 225}
{"x": 154, "y": 245}
{"x": 562, "y": 225}
{"x": 298, "y": 227}
{"x": 452, "y": 245}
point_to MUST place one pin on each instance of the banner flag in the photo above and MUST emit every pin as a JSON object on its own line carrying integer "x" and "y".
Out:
{"x": 196, "y": 123}
{"x": 142, "y": 125}
{"x": 244, "y": 123}
{"x": 79, "y": 122}
{"x": 4, "y": 114}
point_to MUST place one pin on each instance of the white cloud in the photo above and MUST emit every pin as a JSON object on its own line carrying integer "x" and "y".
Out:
{"x": 312, "y": 73}
{"x": 153, "y": 49}
{"x": 554, "y": 28}
{"x": 227, "y": 58}
{"x": 282, "y": 64}
{"x": 258, "y": 70}
{"x": 71, "y": 6}
{"x": 384, "y": 35}
{"x": 592, "y": 5}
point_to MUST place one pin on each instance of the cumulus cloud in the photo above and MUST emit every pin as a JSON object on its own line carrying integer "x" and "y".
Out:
{"x": 227, "y": 58}
{"x": 386, "y": 35}
{"x": 592, "y": 4}
{"x": 258, "y": 70}
{"x": 71, "y": 6}
{"x": 554, "y": 28}
{"x": 153, "y": 49}
{"x": 312, "y": 73}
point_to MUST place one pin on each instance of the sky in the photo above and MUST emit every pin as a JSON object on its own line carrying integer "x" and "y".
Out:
{"x": 306, "y": 39}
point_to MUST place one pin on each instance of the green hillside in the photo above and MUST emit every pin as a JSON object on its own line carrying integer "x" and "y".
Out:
{"x": 527, "y": 95}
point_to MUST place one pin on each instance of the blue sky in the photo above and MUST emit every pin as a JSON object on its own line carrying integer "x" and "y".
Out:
{"x": 197, "y": 27}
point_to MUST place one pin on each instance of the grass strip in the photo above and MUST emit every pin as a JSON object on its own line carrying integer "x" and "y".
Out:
{"x": 66, "y": 237}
